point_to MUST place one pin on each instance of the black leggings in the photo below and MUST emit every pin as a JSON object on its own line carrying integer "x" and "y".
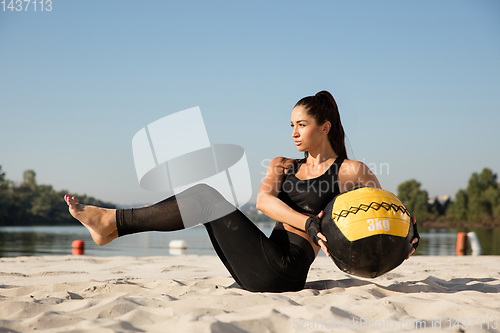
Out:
{"x": 257, "y": 263}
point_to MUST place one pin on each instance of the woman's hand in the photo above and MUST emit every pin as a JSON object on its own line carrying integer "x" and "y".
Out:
{"x": 322, "y": 238}
{"x": 313, "y": 229}
{"x": 415, "y": 240}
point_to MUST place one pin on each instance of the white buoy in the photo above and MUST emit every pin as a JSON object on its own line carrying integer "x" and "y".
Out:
{"x": 178, "y": 244}
{"x": 177, "y": 252}
{"x": 474, "y": 243}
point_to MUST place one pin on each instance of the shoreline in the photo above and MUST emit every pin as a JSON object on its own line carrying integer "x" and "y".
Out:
{"x": 196, "y": 294}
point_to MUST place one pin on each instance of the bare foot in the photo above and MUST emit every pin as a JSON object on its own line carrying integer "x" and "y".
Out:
{"x": 101, "y": 222}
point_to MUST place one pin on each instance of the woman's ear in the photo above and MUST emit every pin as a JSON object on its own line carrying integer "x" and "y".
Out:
{"x": 326, "y": 127}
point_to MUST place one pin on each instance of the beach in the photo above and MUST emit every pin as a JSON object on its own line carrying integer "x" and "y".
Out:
{"x": 196, "y": 294}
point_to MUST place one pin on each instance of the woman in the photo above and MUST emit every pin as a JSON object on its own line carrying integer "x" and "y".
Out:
{"x": 293, "y": 193}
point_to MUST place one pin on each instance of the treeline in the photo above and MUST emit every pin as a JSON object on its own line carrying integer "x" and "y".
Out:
{"x": 478, "y": 204}
{"x": 30, "y": 204}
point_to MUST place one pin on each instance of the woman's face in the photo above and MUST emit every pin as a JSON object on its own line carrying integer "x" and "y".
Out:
{"x": 306, "y": 134}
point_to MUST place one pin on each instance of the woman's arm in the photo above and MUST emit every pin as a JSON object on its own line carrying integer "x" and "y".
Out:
{"x": 355, "y": 173}
{"x": 267, "y": 197}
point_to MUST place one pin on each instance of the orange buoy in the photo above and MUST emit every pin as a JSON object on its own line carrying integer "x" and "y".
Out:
{"x": 78, "y": 247}
{"x": 461, "y": 244}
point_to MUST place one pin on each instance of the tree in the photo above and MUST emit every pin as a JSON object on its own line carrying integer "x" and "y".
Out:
{"x": 480, "y": 202}
{"x": 436, "y": 208}
{"x": 5, "y": 198}
{"x": 29, "y": 178}
{"x": 414, "y": 199}
{"x": 33, "y": 204}
{"x": 482, "y": 193}
{"x": 22, "y": 197}
{"x": 458, "y": 209}
{"x": 446, "y": 205}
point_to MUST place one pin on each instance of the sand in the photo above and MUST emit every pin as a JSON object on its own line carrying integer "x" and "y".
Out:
{"x": 196, "y": 294}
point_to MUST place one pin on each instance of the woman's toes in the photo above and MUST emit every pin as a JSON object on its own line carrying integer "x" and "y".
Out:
{"x": 71, "y": 201}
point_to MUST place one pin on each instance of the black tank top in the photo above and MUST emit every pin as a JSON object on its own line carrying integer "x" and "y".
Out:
{"x": 310, "y": 196}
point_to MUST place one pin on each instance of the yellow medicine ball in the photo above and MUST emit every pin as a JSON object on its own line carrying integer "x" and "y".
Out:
{"x": 368, "y": 231}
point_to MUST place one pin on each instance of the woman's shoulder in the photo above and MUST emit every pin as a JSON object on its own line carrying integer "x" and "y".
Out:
{"x": 357, "y": 173}
{"x": 354, "y": 168}
{"x": 281, "y": 164}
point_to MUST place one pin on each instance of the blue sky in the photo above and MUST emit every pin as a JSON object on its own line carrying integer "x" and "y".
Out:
{"x": 417, "y": 84}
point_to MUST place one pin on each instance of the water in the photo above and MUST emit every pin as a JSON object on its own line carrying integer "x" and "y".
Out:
{"x": 442, "y": 241}
{"x": 38, "y": 241}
